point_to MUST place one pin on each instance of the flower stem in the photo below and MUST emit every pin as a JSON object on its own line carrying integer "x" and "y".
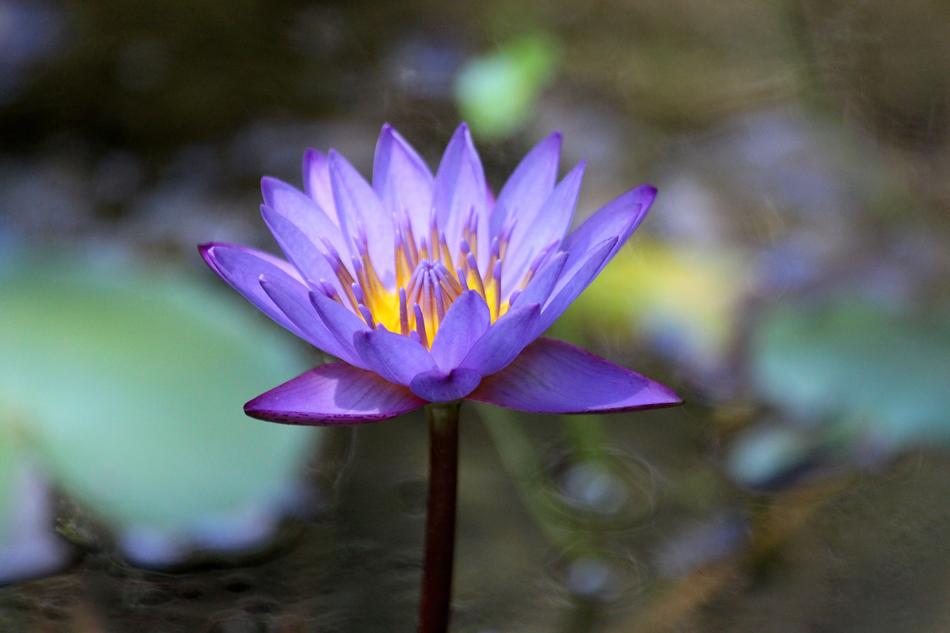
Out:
{"x": 440, "y": 520}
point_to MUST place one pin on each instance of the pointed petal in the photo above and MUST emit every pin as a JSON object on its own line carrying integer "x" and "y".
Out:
{"x": 316, "y": 182}
{"x": 504, "y": 340}
{"x": 460, "y": 188}
{"x": 333, "y": 394}
{"x": 299, "y": 248}
{"x": 548, "y": 225}
{"x": 341, "y": 323}
{"x": 296, "y": 209}
{"x": 296, "y": 306}
{"x": 573, "y": 282}
{"x": 396, "y": 358}
{"x": 438, "y": 386}
{"x": 361, "y": 212}
{"x": 555, "y": 377}
{"x": 464, "y": 323}
{"x": 542, "y": 284}
{"x": 529, "y": 185}
{"x": 618, "y": 218}
{"x": 241, "y": 268}
{"x": 402, "y": 180}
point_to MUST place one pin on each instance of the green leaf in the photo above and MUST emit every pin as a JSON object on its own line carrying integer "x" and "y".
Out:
{"x": 132, "y": 384}
{"x": 496, "y": 92}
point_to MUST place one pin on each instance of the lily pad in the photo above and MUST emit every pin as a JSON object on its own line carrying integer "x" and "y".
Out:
{"x": 874, "y": 373}
{"x": 131, "y": 385}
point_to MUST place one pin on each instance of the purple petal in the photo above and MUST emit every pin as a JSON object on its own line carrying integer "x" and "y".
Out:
{"x": 437, "y": 386}
{"x": 296, "y": 209}
{"x": 333, "y": 394}
{"x": 361, "y": 213}
{"x": 296, "y": 306}
{"x": 396, "y": 358}
{"x": 573, "y": 282}
{"x": 464, "y": 323}
{"x": 316, "y": 182}
{"x": 542, "y": 284}
{"x": 402, "y": 180}
{"x": 618, "y": 218}
{"x": 547, "y": 226}
{"x": 340, "y": 322}
{"x": 460, "y": 189}
{"x": 504, "y": 340}
{"x": 555, "y": 377}
{"x": 242, "y": 267}
{"x": 299, "y": 248}
{"x": 529, "y": 185}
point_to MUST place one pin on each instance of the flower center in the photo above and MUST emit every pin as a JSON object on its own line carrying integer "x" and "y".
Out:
{"x": 428, "y": 279}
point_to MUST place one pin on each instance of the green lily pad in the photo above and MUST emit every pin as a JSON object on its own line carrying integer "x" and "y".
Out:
{"x": 131, "y": 384}
{"x": 875, "y": 373}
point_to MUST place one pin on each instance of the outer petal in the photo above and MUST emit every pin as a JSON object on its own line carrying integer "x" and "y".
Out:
{"x": 361, "y": 213}
{"x": 464, "y": 323}
{"x": 300, "y": 247}
{"x": 460, "y": 189}
{"x": 316, "y": 182}
{"x": 533, "y": 232}
{"x": 296, "y": 306}
{"x": 333, "y": 394}
{"x": 504, "y": 340}
{"x": 573, "y": 282}
{"x": 396, "y": 358}
{"x": 542, "y": 284}
{"x": 618, "y": 218}
{"x": 555, "y": 377}
{"x": 242, "y": 267}
{"x": 301, "y": 212}
{"x": 529, "y": 185}
{"x": 402, "y": 180}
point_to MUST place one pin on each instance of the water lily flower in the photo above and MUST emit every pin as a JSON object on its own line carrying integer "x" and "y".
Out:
{"x": 428, "y": 289}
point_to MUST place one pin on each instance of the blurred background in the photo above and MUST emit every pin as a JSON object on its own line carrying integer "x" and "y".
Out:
{"x": 791, "y": 282}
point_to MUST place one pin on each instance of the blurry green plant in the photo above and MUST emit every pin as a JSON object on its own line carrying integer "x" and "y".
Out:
{"x": 862, "y": 381}
{"x": 496, "y": 92}
{"x": 124, "y": 383}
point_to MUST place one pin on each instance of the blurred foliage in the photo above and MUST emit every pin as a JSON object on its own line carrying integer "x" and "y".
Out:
{"x": 496, "y": 93}
{"x": 685, "y": 299}
{"x": 132, "y": 403}
{"x": 880, "y": 373}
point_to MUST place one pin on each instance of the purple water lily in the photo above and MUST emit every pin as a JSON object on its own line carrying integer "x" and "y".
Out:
{"x": 427, "y": 289}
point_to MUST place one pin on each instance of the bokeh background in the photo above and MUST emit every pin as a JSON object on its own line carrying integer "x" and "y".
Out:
{"x": 791, "y": 282}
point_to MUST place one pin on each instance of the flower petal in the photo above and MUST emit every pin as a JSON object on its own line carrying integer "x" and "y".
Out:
{"x": 333, "y": 394}
{"x": 551, "y": 376}
{"x": 573, "y": 282}
{"x": 460, "y": 189}
{"x": 361, "y": 213}
{"x": 241, "y": 267}
{"x": 530, "y": 184}
{"x": 402, "y": 180}
{"x": 437, "y": 386}
{"x": 299, "y": 248}
{"x": 542, "y": 284}
{"x": 396, "y": 358}
{"x": 296, "y": 306}
{"x": 303, "y": 213}
{"x": 618, "y": 218}
{"x": 341, "y": 323}
{"x": 547, "y": 226}
{"x": 504, "y": 340}
{"x": 316, "y": 182}
{"x": 464, "y": 323}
